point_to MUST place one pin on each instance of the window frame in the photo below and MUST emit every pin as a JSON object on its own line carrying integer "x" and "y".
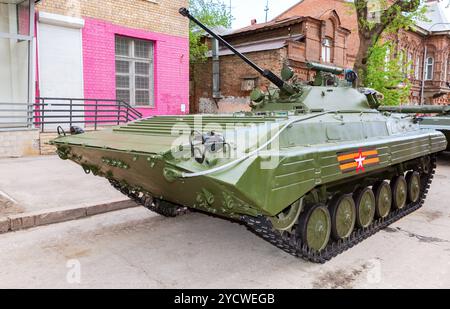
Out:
{"x": 327, "y": 50}
{"x": 410, "y": 64}
{"x": 417, "y": 68}
{"x": 29, "y": 39}
{"x": 132, "y": 60}
{"x": 446, "y": 63}
{"x": 427, "y": 69}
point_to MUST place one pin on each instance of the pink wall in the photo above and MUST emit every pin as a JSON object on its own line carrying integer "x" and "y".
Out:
{"x": 171, "y": 66}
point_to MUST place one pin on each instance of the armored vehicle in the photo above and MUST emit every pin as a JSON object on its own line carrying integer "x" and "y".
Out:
{"x": 441, "y": 120}
{"x": 313, "y": 169}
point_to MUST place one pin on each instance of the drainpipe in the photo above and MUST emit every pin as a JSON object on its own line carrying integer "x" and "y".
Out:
{"x": 424, "y": 77}
{"x": 216, "y": 69}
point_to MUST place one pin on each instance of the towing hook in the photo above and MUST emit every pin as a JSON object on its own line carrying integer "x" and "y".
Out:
{"x": 60, "y": 131}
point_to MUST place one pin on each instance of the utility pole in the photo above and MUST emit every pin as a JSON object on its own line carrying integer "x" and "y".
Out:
{"x": 267, "y": 10}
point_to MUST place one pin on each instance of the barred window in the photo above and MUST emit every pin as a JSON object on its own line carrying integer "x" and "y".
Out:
{"x": 134, "y": 71}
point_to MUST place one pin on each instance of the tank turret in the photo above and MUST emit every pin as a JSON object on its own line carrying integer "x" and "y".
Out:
{"x": 435, "y": 117}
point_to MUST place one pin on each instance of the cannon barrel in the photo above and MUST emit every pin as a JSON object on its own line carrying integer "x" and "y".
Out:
{"x": 325, "y": 68}
{"x": 415, "y": 109}
{"x": 266, "y": 73}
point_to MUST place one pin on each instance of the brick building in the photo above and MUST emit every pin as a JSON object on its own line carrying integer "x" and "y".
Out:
{"x": 136, "y": 51}
{"x": 321, "y": 31}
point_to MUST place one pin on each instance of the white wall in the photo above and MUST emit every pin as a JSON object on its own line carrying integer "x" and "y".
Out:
{"x": 61, "y": 61}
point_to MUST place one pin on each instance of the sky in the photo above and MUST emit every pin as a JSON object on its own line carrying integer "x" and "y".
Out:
{"x": 245, "y": 10}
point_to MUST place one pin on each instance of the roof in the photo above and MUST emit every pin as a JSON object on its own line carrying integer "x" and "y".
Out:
{"x": 274, "y": 24}
{"x": 257, "y": 46}
{"x": 439, "y": 15}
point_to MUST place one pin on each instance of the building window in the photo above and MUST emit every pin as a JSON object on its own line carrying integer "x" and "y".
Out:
{"x": 134, "y": 71}
{"x": 417, "y": 69}
{"x": 16, "y": 58}
{"x": 248, "y": 83}
{"x": 326, "y": 50}
{"x": 401, "y": 62}
{"x": 429, "y": 68}
{"x": 387, "y": 57}
{"x": 410, "y": 64}
{"x": 446, "y": 69}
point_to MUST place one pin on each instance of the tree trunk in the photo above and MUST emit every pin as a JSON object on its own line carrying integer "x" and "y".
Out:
{"x": 362, "y": 58}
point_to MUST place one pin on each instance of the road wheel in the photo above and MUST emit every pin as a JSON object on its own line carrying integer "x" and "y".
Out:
{"x": 285, "y": 220}
{"x": 399, "y": 192}
{"x": 383, "y": 198}
{"x": 365, "y": 207}
{"x": 315, "y": 227}
{"x": 413, "y": 182}
{"x": 343, "y": 216}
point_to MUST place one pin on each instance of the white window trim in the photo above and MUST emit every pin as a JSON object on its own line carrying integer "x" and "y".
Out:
{"x": 427, "y": 68}
{"x": 132, "y": 73}
{"x": 410, "y": 64}
{"x": 327, "y": 45}
{"x": 417, "y": 69}
{"x": 446, "y": 69}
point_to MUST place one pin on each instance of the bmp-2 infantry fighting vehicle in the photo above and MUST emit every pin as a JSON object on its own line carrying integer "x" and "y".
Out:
{"x": 439, "y": 122}
{"x": 313, "y": 169}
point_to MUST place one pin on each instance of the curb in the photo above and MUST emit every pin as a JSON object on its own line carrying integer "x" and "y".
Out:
{"x": 57, "y": 215}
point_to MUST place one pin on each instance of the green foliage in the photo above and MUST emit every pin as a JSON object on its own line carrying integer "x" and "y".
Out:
{"x": 406, "y": 20}
{"x": 392, "y": 16}
{"x": 212, "y": 13}
{"x": 387, "y": 74}
{"x": 375, "y": 20}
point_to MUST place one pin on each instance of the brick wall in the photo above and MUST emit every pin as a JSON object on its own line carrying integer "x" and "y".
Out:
{"x": 232, "y": 72}
{"x": 409, "y": 42}
{"x": 153, "y": 15}
{"x": 318, "y": 8}
{"x": 171, "y": 65}
{"x": 44, "y": 148}
{"x": 154, "y": 20}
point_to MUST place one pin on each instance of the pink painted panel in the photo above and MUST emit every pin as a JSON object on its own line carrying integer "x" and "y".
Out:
{"x": 171, "y": 67}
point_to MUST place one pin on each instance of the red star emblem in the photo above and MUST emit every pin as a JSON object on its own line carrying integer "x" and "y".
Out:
{"x": 360, "y": 159}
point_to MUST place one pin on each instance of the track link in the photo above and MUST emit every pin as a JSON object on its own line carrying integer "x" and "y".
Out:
{"x": 293, "y": 245}
{"x": 161, "y": 207}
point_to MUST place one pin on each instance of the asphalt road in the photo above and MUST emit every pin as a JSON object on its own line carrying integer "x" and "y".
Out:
{"x": 137, "y": 249}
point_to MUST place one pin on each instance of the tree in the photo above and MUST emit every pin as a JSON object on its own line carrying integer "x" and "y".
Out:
{"x": 393, "y": 16}
{"x": 212, "y": 13}
{"x": 388, "y": 73}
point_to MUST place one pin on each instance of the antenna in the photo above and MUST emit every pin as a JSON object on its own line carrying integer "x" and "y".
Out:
{"x": 267, "y": 10}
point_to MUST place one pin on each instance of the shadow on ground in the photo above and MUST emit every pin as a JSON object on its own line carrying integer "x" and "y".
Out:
{"x": 444, "y": 158}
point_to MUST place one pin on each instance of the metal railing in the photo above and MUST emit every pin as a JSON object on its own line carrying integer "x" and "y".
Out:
{"x": 16, "y": 116}
{"x": 48, "y": 113}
